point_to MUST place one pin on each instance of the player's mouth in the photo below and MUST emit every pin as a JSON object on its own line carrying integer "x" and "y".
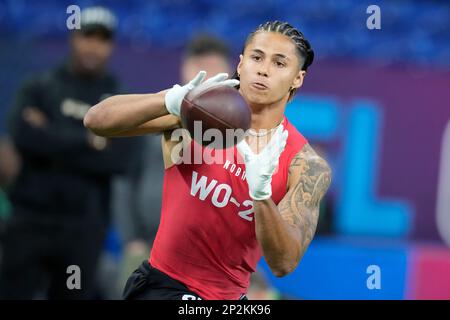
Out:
{"x": 259, "y": 86}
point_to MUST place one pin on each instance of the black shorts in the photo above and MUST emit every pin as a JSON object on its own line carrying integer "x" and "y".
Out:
{"x": 148, "y": 283}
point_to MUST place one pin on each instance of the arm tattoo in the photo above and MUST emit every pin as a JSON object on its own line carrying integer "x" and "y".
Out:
{"x": 300, "y": 206}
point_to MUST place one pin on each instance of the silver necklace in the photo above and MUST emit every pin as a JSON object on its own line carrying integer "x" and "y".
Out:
{"x": 264, "y": 133}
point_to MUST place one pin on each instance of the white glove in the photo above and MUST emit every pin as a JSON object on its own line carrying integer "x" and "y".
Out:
{"x": 174, "y": 97}
{"x": 260, "y": 167}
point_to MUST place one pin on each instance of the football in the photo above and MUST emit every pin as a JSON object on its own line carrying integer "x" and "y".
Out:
{"x": 215, "y": 115}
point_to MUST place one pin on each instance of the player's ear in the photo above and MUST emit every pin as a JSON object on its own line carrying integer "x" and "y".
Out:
{"x": 298, "y": 80}
{"x": 239, "y": 64}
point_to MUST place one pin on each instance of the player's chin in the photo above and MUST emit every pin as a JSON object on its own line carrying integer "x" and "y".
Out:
{"x": 257, "y": 98}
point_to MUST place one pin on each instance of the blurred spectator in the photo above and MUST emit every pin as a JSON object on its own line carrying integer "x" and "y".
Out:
{"x": 9, "y": 168}
{"x": 9, "y": 162}
{"x": 205, "y": 52}
{"x": 61, "y": 196}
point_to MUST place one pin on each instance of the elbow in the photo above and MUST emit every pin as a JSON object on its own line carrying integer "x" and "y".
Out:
{"x": 91, "y": 119}
{"x": 285, "y": 264}
{"x": 281, "y": 272}
{"x": 283, "y": 269}
{"x": 95, "y": 120}
{"x": 88, "y": 121}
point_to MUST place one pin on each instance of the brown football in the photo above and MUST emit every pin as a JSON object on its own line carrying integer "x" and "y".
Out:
{"x": 216, "y": 107}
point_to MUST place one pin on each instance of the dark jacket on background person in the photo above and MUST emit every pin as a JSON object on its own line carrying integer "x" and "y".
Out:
{"x": 62, "y": 175}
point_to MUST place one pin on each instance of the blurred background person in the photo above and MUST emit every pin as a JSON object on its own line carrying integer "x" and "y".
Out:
{"x": 9, "y": 167}
{"x": 9, "y": 161}
{"x": 61, "y": 196}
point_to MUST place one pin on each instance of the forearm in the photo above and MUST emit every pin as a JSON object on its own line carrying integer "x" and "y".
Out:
{"x": 276, "y": 237}
{"x": 123, "y": 112}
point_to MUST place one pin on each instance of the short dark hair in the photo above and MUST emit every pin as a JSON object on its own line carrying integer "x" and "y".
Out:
{"x": 205, "y": 44}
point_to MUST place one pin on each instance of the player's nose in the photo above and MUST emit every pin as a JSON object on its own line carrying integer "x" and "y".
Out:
{"x": 262, "y": 73}
{"x": 263, "y": 70}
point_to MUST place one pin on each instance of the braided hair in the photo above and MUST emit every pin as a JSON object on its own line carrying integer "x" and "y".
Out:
{"x": 302, "y": 45}
{"x": 303, "y": 48}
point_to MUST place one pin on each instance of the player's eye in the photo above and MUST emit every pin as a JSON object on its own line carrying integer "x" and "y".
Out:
{"x": 256, "y": 58}
{"x": 280, "y": 64}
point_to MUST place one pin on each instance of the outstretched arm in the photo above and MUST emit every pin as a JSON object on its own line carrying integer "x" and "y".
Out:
{"x": 131, "y": 114}
{"x": 137, "y": 114}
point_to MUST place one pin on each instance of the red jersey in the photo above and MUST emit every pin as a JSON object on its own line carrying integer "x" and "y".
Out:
{"x": 206, "y": 238}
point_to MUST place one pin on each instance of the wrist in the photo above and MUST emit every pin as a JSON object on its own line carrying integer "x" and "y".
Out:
{"x": 161, "y": 96}
{"x": 173, "y": 99}
{"x": 262, "y": 201}
{"x": 261, "y": 195}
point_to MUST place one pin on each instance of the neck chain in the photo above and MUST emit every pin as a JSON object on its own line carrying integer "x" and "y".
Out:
{"x": 264, "y": 133}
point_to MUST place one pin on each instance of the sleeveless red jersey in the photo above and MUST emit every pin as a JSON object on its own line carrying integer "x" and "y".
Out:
{"x": 206, "y": 238}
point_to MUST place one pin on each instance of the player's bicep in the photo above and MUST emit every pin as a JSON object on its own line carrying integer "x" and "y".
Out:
{"x": 310, "y": 177}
